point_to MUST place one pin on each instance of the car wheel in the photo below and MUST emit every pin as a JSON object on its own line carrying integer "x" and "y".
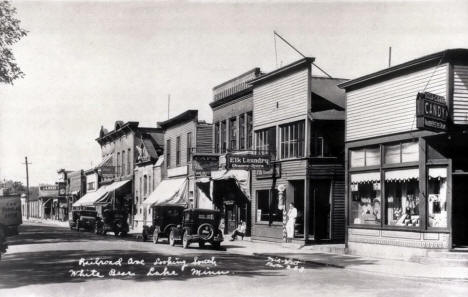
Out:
{"x": 185, "y": 241}
{"x": 201, "y": 244}
{"x": 172, "y": 238}
{"x": 216, "y": 245}
{"x": 155, "y": 236}
{"x": 116, "y": 233}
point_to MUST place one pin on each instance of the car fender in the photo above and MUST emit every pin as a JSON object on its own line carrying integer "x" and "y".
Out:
{"x": 168, "y": 228}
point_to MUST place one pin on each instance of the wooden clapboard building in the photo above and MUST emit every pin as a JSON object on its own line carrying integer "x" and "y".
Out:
{"x": 407, "y": 166}
{"x": 298, "y": 119}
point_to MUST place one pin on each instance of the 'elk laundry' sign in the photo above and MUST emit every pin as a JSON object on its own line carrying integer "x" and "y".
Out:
{"x": 431, "y": 112}
{"x": 247, "y": 161}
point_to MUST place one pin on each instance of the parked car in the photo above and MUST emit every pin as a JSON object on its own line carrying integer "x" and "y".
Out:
{"x": 164, "y": 218}
{"x": 3, "y": 240}
{"x": 112, "y": 221}
{"x": 83, "y": 219}
{"x": 198, "y": 225}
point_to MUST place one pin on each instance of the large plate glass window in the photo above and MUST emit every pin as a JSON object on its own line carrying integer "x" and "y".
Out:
{"x": 437, "y": 197}
{"x": 267, "y": 206}
{"x": 402, "y": 197}
{"x": 365, "y": 198}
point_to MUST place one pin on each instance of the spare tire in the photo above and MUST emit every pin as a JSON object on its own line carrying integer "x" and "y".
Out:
{"x": 205, "y": 231}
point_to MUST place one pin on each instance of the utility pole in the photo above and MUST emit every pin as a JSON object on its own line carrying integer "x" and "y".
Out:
{"x": 27, "y": 187}
{"x": 389, "y": 57}
{"x": 168, "y": 105}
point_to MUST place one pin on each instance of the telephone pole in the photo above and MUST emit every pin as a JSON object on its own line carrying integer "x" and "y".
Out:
{"x": 27, "y": 187}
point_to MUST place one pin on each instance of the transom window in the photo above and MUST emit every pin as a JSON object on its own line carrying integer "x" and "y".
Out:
{"x": 369, "y": 156}
{"x": 401, "y": 152}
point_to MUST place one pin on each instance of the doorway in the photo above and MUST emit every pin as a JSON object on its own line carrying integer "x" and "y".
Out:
{"x": 319, "y": 209}
{"x": 460, "y": 211}
{"x": 298, "y": 200}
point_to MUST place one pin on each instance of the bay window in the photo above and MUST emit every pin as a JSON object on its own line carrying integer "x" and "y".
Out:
{"x": 292, "y": 140}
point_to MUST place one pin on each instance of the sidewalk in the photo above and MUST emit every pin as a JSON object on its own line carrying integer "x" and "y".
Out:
{"x": 307, "y": 254}
{"x": 46, "y": 222}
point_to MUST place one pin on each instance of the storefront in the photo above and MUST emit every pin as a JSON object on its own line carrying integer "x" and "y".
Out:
{"x": 407, "y": 168}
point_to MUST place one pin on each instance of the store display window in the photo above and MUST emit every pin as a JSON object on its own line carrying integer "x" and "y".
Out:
{"x": 437, "y": 197}
{"x": 402, "y": 197}
{"x": 365, "y": 198}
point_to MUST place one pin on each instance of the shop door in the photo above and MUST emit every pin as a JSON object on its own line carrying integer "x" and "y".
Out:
{"x": 298, "y": 199}
{"x": 460, "y": 211}
{"x": 230, "y": 218}
{"x": 319, "y": 206}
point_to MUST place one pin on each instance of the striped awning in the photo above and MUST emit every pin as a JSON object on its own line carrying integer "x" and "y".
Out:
{"x": 438, "y": 172}
{"x": 402, "y": 175}
{"x": 365, "y": 177}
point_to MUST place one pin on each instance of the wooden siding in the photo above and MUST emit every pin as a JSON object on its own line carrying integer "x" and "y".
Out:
{"x": 233, "y": 108}
{"x": 460, "y": 95}
{"x": 172, "y": 133}
{"x": 338, "y": 210}
{"x": 281, "y": 99}
{"x": 204, "y": 138}
{"x": 389, "y": 107}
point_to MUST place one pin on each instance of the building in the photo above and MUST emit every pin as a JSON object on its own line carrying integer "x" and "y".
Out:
{"x": 298, "y": 119}
{"x": 232, "y": 107}
{"x": 406, "y": 167}
{"x": 49, "y": 202}
{"x": 184, "y": 135}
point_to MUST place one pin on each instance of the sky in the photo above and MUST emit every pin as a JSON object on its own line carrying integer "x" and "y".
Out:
{"x": 90, "y": 63}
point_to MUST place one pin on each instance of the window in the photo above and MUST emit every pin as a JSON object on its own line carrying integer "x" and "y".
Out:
{"x": 145, "y": 185}
{"x": 401, "y": 152}
{"x": 437, "y": 197}
{"x": 118, "y": 164}
{"x": 223, "y": 136}
{"x": 123, "y": 163}
{"x": 242, "y": 132}
{"x": 267, "y": 206}
{"x": 150, "y": 189}
{"x": 249, "y": 124}
{"x": 366, "y": 203}
{"x": 168, "y": 153}
{"x": 233, "y": 133}
{"x": 91, "y": 186}
{"x": 189, "y": 146}
{"x": 266, "y": 141}
{"x": 216, "y": 138}
{"x": 292, "y": 140}
{"x": 177, "y": 151}
{"x": 368, "y": 156}
{"x": 129, "y": 160}
{"x": 402, "y": 197}
{"x": 317, "y": 149}
{"x": 141, "y": 186}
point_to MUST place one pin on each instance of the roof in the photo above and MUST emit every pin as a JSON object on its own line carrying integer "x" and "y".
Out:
{"x": 120, "y": 128}
{"x": 186, "y": 116}
{"x": 328, "y": 89}
{"x": 407, "y": 67}
{"x": 302, "y": 63}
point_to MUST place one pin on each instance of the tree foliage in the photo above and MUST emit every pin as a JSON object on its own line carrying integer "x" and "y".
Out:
{"x": 10, "y": 33}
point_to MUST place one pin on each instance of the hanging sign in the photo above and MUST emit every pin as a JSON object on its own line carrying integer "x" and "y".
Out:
{"x": 202, "y": 165}
{"x": 247, "y": 161}
{"x": 431, "y": 112}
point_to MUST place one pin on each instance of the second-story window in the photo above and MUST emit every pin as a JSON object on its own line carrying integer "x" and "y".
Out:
{"x": 242, "y": 132}
{"x": 145, "y": 184}
{"x": 266, "y": 141}
{"x": 216, "y": 138}
{"x": 118, "y": 164}
{"x": 189, "y": 146}
{"x": 223, "y": 136}
{"x": 249, "y": 124}
{"x": 123, "y": 163}
{"x": 233, "y": 133}
{"x": 129, "y": 162}
{"x": 292, "y": 140}
{"x": 168, "y": 153}
{"x": 177, "y": 151}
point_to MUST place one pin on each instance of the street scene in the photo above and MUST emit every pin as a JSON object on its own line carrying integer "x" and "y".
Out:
{"x": 245, "y": 148}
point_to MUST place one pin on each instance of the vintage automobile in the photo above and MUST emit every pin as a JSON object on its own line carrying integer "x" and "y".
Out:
{"x": 83, "y": 219}
{"x": 3, "y": 240}
{"x": 112, "y": 221}
{"x": 165, "y": 217}
{"x": 198, "y": 225}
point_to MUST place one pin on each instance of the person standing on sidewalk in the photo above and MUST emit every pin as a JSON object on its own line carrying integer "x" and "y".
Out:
{"x": 292, "y": 215}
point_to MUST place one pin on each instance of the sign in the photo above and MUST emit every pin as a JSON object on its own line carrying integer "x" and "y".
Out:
{"x": 431, "y": 112}
{"x": 48, "y": 190}
{"x": 107, "y": 171}
{"x": 202, "y": 165}
{"x": 248, "y": 161}
{"x": 62, "y": 189}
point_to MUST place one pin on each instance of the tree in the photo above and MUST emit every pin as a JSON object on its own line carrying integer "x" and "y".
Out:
{"x": 10, "y": 33}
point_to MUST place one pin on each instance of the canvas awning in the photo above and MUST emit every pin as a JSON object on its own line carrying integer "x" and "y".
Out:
{"x": 169, "y": 191}
{"x": 90, "y": 198}
{"x": 365, "y": 177}
{"x": 402, "y": 175}
{"x": 438, "y": 172}
{"x": 240, "y": 176}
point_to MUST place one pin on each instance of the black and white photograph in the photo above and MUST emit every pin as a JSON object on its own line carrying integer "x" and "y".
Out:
{"x": 212, "y": 148}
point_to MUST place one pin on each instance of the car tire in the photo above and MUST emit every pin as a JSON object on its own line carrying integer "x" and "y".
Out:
{"x": 171, "y": 238}
{"x": 155, "y": 236}
{"x": 185, "y": 241}
{"x": 201, "y": 244}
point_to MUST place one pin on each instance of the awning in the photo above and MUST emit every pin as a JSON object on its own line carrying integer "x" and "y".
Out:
{"x": 438, "y": 172}
{"x": 240, "y": 176}
{"x": 169, "y": 191}
{"x": 116, "y": 185}
{"x": 90, "y": 198}
{"x": 402, "y": 175}
{"x": 366, "y": 177}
